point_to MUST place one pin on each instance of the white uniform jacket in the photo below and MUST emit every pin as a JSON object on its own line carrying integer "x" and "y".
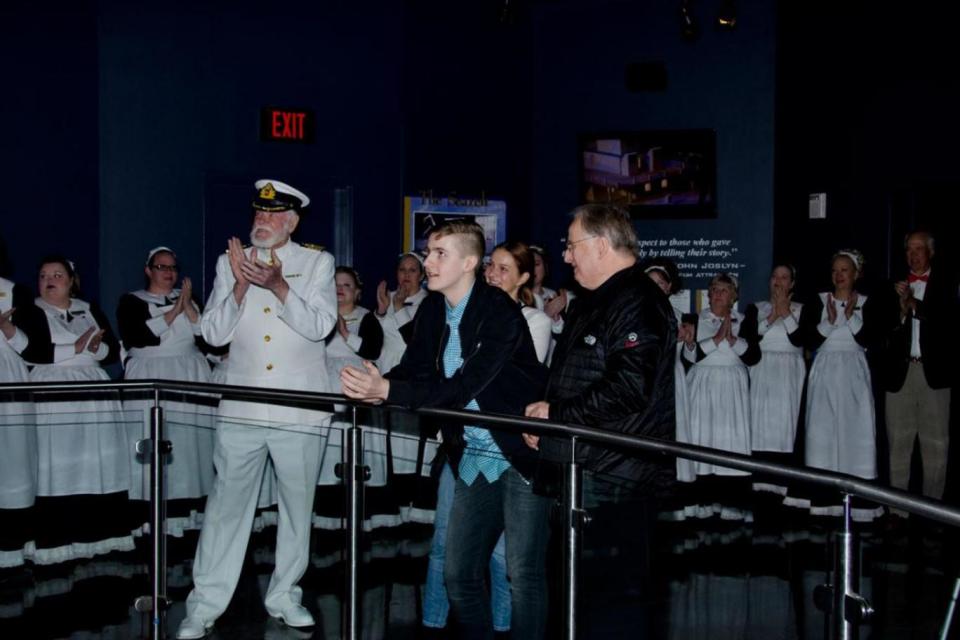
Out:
{"x": 274, "y": 344}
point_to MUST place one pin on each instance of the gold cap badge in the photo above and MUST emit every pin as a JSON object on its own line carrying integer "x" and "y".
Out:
{"x": 268, "y": 192}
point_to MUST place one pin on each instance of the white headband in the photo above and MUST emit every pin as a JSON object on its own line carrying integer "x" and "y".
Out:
{"x": 657, "y": 267}
{"x": 157, "y": 250}
{"x": 856, "y": 258}
{"x": 412, "y": 254}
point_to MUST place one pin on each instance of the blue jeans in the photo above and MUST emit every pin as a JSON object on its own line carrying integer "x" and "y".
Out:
{"x": 436, "y": 606}
{"x": 481, "y": 512}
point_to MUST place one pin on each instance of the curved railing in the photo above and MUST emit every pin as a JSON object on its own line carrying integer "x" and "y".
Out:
{"x": 844, "y": 596}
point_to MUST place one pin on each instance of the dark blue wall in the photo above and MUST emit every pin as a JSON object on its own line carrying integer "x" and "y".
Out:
{"x": 180, "y": 92}
{"x": 724, "y": 81}
{"x": 156, "y": 111}
{"x": 49, "y": 137}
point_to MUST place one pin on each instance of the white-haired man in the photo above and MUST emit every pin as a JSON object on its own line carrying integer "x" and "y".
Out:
{"x": 273, "y": 304}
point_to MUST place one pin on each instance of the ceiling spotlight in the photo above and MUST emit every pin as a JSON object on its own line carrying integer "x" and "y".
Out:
{"x": 688, "y": 23}
{"x": 727, "y": 16}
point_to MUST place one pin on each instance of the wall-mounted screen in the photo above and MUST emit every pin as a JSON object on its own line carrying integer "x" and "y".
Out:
{"x": 653, "y": 174}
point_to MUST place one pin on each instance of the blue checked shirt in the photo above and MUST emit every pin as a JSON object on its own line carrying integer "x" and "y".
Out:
{"x": 482, "y": 455}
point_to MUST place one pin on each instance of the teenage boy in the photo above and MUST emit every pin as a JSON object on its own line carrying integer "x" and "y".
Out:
{"x": 471, "y": 349}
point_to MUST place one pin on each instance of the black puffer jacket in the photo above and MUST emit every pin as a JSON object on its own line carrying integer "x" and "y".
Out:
{"x": 500, "y": 369}
{"x": 613, "y": 368}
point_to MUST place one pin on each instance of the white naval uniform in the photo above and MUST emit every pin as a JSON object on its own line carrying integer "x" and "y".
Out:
{"x": 187, "y": 425}
{"x": 18, "y": 433}
{"x": 273, "y": 344}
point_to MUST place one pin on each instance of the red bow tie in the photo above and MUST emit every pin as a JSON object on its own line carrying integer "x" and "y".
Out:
{"x": 916, "y": 278}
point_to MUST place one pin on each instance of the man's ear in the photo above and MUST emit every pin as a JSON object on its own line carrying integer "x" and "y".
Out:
{"x": 293, "y": 221}
{"x": 470, "y": 263}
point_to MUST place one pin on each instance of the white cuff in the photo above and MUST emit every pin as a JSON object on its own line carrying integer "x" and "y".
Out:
{"x": 102, "y": 352}
{"x": 158, "y": 326}
{"x": 19, "y": 341}
{"x": 790, "y": 323}
{"x": 63, "y": 352}
{"x": 825, "y": 328}
{"x": 708, "y": 346}
{"x": 740, "y": 346}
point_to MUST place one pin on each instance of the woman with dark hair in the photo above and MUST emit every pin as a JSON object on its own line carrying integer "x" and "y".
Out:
{"x": 512, "y": 270}
{"x": 18, "y": 432}
{"x": 841, "y": 417}
{"x": 541, "y": 271}
{"x": 84, "y": 467}
{"x": 160, "y": 330}
{"x": 721, "y": 346}
{"x": 776, "y": 382}
{"x": 357, "y": 337}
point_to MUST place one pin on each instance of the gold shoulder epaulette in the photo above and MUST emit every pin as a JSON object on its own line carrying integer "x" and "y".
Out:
{"x": 310, "y": 245}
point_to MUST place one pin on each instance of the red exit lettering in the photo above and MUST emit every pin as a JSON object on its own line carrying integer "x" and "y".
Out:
{"x": 287, "y": 125}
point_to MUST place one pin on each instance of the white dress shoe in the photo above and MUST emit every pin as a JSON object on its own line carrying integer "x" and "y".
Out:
{"x": 295, "y": 615}
{"x": 192, "y": 629}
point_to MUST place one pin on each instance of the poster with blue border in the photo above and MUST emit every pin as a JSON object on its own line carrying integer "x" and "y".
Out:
{"x": 421, "y": 215}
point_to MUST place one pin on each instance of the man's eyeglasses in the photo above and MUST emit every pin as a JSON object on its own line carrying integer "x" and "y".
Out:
{"x": 568, "y": 245}
{"x": 165, "y": 268}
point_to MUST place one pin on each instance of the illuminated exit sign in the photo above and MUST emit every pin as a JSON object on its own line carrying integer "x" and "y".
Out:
{"x": 279, "y": 124}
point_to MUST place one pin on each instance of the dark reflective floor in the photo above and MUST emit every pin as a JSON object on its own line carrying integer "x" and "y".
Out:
{"x": 710, "y": 580}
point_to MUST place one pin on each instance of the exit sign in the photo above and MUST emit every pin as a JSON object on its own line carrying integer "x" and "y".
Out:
{"x": 279, "y": 124}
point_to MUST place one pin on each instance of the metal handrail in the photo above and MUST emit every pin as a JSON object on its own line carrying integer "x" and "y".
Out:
{"x": 840, "y": 482}
{"x": 848, "y": 607}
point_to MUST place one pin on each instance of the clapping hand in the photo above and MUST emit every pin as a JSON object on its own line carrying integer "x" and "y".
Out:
{"x": 94, "y": 345}
{"x": 267, "y": 276}
{"x": 6, "y": 326}
{"x": 831, "y": 309}
{"x": 905, "y": 295}
{"x": 383, "y": 298}
{"x": 186, "y": 300}
{"x": 851, "y": 305}
{"x": 556, "y": 305}
{"x": 364, "y": 384}
{"x": 237, "y": 259}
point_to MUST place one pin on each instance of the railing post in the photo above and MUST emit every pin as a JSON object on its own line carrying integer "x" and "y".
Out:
{"x": 156, "y": 603}
{"x": 850, "y": 609}
{"x": 574, "y": 519}
{"x": 354, "y": 476}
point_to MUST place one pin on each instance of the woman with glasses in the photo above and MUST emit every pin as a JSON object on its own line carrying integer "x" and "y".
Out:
{"x": 160, "y": 331}
{"x": 84, "y": 452}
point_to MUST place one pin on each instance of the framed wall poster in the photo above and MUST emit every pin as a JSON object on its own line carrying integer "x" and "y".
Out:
{"x": 653, "y": 174}
{"x": 421, "y": 215}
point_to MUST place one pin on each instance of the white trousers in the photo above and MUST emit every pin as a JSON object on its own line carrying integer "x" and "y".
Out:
{"x": 239, "y": 457}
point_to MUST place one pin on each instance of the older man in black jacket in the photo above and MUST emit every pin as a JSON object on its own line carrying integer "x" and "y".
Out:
{"x": 613, "y": 365}
{"x": 613, "y": 369}
{"x": 471, "y": 348}
{"x": 919, "y": 368}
